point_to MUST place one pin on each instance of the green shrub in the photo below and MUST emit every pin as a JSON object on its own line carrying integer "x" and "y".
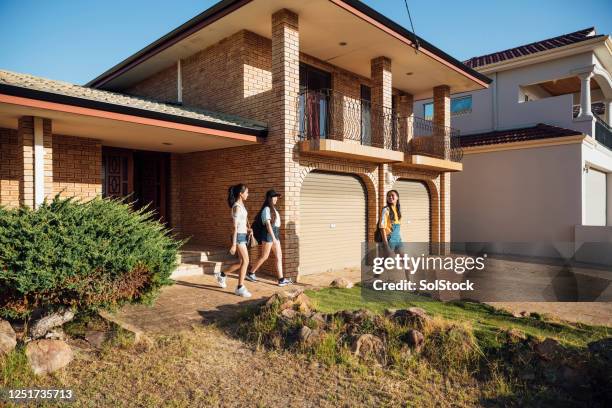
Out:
{"x": 100, "y": 253}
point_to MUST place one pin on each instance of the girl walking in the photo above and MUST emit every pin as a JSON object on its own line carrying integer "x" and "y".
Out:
{"x": 390, "y": 221}
{"x": 270, "y": 219}
{"x": 236, "y": 196}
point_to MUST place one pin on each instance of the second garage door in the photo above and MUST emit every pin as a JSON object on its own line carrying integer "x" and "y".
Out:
{"x": 332, "y": 222}
{"x": 414, "y": 200}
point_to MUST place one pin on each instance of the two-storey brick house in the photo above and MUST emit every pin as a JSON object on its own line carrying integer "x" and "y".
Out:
{"x": 314, "y": 99}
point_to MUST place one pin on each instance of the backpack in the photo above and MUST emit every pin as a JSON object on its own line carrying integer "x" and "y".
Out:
{"x": 259, "y": 230}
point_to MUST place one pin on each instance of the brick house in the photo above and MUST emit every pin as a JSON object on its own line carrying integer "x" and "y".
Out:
{"x": 314, "y": 99}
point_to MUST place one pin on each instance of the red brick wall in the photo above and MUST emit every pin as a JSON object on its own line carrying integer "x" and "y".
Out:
{"x": 10, "y": 168}
{"x": 235, "y": 76}
{"x": 77, "y": 166}
{"x": 161, "y": 86}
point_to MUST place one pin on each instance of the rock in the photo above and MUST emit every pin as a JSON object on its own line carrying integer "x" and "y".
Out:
{"x": 390, "y": 312}
{"x": 341, "y": 283}
{"x": 415, "y": 339}
{"x": 368, "y": 345}
{"x": 288, "y": 313}
{"x": 602, "y": 348}
{"x": 548, "y": 349}
{"x": 309, "y": 336}
{"x": 291, "y": 294}
{"x": 302, "y": 302}
{"x": 515, "y": 335}
{"x": 96, "y": 338}
{"x": 56, "y": 334}
{"x": 522, "y": 313}
{"x": 8, "y": 338}
{"x": 319, "y": 319}
{"x": 46, "y": 356}
{"x": 410, "y": 316}
{"x": 41, "y": 326}
{"x": 139, "y": 336}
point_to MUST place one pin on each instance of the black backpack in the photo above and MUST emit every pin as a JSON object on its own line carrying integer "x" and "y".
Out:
{"x": 259, "y": 229}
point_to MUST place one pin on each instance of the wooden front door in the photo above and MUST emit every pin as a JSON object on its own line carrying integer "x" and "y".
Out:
{"x": 151, "y": 180}
{"x": 117, "y": 172}
{"x": 141, "y": 175}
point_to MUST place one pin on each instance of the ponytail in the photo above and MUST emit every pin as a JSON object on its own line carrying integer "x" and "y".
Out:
{"x": 233, "y": 192}
{"x": 231, "y": 196}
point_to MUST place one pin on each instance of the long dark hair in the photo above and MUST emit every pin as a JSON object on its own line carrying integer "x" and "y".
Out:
{"x": 233, "y": 192}
{"x": 397, "y": 206}
{"x": 268, "y": 202}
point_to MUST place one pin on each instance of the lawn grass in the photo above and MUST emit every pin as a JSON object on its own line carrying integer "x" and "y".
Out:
{"x": 486, "y": 321}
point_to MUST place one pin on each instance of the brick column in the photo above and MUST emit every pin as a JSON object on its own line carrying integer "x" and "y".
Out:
{"x": 441, "y": 119}
{"x": 405, "y": 111}
{"x": 34, "y": 137}
{"x": 382, "y": 101}
{"x": 25, "y": 137}
{"x": 283, "y": 128}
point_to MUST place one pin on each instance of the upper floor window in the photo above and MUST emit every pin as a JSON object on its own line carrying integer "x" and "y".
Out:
{"x": 459, "y": 106}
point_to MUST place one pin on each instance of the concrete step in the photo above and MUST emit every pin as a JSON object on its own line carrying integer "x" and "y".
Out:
{"x": 216, "y": 255}
{"x": 210, "y": 268}
{"x": 186, "y": 269}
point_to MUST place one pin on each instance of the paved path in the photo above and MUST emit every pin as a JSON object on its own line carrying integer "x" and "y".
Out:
{"x": 197, "y": 299}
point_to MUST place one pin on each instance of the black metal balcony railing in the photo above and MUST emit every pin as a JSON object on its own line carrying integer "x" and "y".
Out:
{"x": 603, "y": 132}
{"x": 327, "y": 114}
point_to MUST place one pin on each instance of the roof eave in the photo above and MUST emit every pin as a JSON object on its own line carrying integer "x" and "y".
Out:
{"x": 13, "y": 90}
{"x": 227, "y": 6}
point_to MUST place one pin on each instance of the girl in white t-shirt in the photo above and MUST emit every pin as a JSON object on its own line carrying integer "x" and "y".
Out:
{"x": 270, "y": 218}
{"x": 236, "y": 196}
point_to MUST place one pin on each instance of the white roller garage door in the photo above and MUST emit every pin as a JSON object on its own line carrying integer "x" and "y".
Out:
{"x": 595, "y": 197}
{"x": 332, "y": 222}
{"x": 414, "y": 200}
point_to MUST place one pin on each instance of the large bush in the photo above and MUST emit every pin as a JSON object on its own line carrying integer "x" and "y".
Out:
{"x": 88, "y": 255}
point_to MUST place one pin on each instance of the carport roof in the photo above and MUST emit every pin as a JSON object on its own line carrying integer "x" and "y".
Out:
{"x": 29, "y": 86}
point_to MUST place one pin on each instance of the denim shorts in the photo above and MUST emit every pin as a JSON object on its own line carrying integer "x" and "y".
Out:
{"x": 268, "y": 237}
{"x": 395, "y": 239}
{"x": 241, "y": 239}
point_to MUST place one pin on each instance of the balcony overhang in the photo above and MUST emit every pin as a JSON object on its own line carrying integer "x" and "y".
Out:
{"x": 349, "y": 150}
{"x": 417, "y": 161}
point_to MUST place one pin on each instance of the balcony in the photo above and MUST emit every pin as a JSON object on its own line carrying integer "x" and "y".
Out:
{"x": 337, "y": 125}
{"x": 603, "y": 132}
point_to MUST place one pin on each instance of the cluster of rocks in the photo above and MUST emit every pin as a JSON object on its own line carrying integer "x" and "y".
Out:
{"x": 46, "y": 344}
{"x": 363, "y": 330}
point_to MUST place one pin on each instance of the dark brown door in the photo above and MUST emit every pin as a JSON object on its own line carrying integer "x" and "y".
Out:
{"x": 117, "y": 172}
{"x": 150, "y": 182}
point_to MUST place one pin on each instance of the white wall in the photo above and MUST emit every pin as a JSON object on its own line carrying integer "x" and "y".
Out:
{"x": 526, "y": 195}
{"x": 599, "y": 158}
{"x": 498, "y": 107}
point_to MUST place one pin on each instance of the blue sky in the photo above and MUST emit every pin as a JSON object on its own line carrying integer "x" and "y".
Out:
{"x": 76, "y": 40}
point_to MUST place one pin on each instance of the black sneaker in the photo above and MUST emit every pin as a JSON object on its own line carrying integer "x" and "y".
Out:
{"x": 285, "y": 282}
{"x": 251, "y": 277}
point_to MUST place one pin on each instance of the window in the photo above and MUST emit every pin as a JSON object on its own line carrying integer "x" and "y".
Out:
{"x": 459, "y": 106}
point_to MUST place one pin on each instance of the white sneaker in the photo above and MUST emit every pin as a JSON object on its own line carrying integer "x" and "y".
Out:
{"x": 220, "y": 280}
{"x": 243, "y": 291}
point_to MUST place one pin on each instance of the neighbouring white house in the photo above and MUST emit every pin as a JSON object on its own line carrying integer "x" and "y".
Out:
{"x": 537, "y": 144}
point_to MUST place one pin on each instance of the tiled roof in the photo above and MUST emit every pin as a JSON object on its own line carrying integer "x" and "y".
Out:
{"x": 34, "y": 83}
{"x": 540, "y": 131}
{"x": 533, "y": 48}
